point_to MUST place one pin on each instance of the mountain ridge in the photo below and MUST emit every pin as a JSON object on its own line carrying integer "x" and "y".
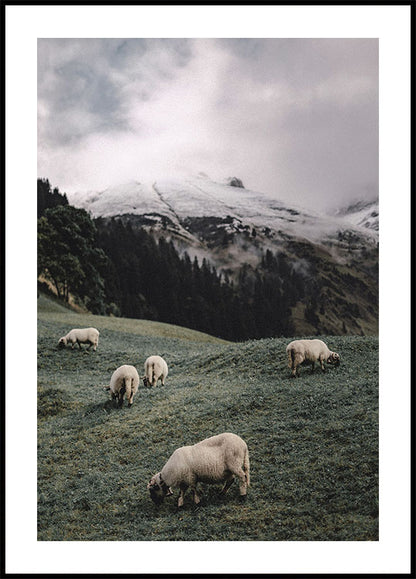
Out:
{"x": 234, "y": 228}
{"x": 199, "y": 196}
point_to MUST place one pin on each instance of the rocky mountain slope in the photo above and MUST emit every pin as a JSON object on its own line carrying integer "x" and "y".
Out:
{"x": 234, "y": 228}
{"x": 362, "y": 214}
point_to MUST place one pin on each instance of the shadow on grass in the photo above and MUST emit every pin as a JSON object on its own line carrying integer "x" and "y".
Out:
{"x": 108, "y": 407}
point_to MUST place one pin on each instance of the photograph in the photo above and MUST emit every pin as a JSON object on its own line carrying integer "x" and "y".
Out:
{"x": 210, "y": 308}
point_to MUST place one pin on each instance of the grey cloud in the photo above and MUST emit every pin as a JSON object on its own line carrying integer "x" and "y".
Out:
{"x": 83, "y": 81}
{"x": 296, "y": 118}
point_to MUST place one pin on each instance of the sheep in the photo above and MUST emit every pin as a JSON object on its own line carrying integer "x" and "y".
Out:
{"x": 81, "y": 336}
{"x": 125, "y": 380}
{"x": 309, "y": 351}
{"x": 155, "y": 368}
{"x": 216, "y": 459}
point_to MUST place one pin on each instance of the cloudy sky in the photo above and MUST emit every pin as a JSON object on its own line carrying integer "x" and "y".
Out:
{"x": 293, "y": 118}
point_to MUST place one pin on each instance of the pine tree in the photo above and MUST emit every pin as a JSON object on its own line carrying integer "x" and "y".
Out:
{"x": 67, "y": 255}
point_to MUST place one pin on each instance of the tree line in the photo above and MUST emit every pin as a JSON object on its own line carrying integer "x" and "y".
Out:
{"x": 113, "y": 268}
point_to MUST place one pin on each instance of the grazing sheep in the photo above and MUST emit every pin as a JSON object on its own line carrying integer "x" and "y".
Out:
{"x": 81, "y": 336}
{"x": 309, "y": 351}
{"x": 155, "y": 368}
{"x": 216, "y": 459}
{"x": 125, "y": 380}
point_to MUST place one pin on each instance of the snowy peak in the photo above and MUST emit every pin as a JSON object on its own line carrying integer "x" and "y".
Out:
{"x": 363, "y": 214}
{"x": 177, "y": 200}
{"x": 130, "y": 198}
{"x": 235, "y": 182}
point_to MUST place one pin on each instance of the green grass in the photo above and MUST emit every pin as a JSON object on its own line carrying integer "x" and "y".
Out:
{"x": 313, "y": 440}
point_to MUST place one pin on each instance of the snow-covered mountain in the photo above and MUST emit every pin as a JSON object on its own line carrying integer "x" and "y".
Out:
{"x": 233, "y": 228}
{"x": 361, "y": 213}
{"x": 174, "y": 203}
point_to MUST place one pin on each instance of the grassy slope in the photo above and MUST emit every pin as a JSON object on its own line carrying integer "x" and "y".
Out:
{"x": 313, "y": 441}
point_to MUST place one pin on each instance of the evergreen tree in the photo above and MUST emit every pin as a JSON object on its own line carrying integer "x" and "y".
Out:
{"x": 48, "y": 198}
{"x": 67, "y": 255}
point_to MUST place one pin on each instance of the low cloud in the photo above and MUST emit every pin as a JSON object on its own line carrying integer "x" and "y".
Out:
{"x": 294, "y": 118}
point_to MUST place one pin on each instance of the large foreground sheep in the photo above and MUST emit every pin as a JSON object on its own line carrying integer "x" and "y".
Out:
{"x": 216, "y": 459}
{"x": 81, "y": 336}
{"x": 309, "y": 351}
{"x": 155, "y": 368}
{"x": 124, "y": 381}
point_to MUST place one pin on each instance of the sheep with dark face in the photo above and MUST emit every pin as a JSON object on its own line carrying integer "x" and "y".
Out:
{"x": 219, "y": 458}
{"x": 124, "y": 381}
{"x": 80, "y": 336}
{"x": 155, "y": 368}
{"x": 309, "y": 351}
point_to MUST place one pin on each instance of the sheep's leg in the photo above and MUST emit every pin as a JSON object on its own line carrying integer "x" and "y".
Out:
{"x": 321, "y": 360}
{"x": 243, "y": 481}
{"x": 291, "y": 363}
{"x": 197, "y": 500}
{"x": 121, "y": 396}
{"x": 183, "y": 488}
{"x": 312, "y": 366}
{"x": 296, "y": 364}
{"x": 79, "y": 344}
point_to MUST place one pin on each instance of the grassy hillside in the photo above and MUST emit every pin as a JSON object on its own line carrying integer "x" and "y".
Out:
{"x": 313, "y": 440}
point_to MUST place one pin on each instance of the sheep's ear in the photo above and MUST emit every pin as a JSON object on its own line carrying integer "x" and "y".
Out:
{"x": 170, "y": 492}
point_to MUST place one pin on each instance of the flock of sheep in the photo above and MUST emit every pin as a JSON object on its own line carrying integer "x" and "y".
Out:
{"x": 217, "y": 459}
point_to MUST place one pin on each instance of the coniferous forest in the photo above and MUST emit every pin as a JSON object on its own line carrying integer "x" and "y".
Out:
{"x": 112, "y": 268}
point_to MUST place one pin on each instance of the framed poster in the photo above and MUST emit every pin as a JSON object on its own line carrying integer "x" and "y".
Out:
{"x": 202, "y": 108}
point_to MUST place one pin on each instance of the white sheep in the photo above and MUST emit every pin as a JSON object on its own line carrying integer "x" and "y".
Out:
{"x": 309, "y": 351}
{"x": 155, "y": 368}
{"x": 216, "y": 459}
{"x": 81, "y": 336}
{"x": 125, "y": 380}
